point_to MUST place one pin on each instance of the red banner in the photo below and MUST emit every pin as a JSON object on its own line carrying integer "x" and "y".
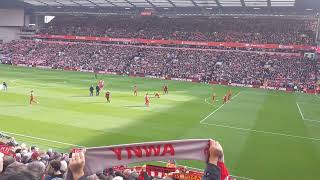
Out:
{"x": 187, "y": 176}
{"x": 178, "y": 42}
{"x": 6, "y": 150}
{"x": 158, "y": 171}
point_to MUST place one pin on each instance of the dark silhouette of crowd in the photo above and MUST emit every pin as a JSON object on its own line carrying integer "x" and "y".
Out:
{"x": 247, "y": 30}
{"x": 200, "y": 64}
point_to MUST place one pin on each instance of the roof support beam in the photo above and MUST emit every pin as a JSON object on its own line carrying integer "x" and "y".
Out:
{"x": 151, "y": 3}
{"x": 111, "y": 3}
{"x": 59, "y": 3}
{"x": 194, "y": 3}
{"x": 218, "y": 2}
{"x": 242, "y": 3}
{"x": 171, "y": 3}
{"x": 76, "y": 3}
{"x": 130, "y": 3}
{"x": 42, "y": 2}
{"x": 269, "y": 3}
{"x": 93, "y": 3}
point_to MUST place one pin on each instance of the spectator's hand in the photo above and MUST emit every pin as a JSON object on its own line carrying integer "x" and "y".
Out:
{"x": 215, "y": 152}
{"x": 76, "y": 165}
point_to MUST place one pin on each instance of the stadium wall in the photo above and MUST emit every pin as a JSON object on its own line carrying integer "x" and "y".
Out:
{"x": 11, "y": 21}
{"x": 9, "y": 33}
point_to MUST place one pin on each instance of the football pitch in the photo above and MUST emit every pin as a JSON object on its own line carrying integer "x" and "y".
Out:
{"x": 266, "y": 135}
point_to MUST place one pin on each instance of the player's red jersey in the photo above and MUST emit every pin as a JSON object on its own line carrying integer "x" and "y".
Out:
{"x": 147, "y": 100}
{"x": 101, "y": 84}
{"x": 225, "y": 98}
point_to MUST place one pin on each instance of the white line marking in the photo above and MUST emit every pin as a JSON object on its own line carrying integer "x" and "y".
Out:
{"x": 300, "y": 111}
{"x": 306, "y": 119}
{"x": 42, "y": 139}
{"x": 317, "y": 96}
{"x": 239, "y": 177}
{"x": 188, "y": 167}
{"x": 217, "y": 109}
{"x": 264, "y": 132}
{"x": 311, "y": 120}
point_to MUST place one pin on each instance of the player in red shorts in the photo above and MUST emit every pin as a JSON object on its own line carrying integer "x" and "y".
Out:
{"x": 101, "y": 84}
{"x": 108, "y": 96}
{"x": 135, "y": 90}
{"x": 32, "y": 98}
{"x": 147, "y": 100}
{"x": 157, "y": 95}
{"x": 229, "y": 95}
{"x": 225, "y": 99}
{"x": 213, "y": 97}
{"x": 165, "y": 88}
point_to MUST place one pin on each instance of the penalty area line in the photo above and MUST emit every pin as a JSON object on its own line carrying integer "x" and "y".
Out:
{"x": 263, "y": 132}
{"x": 42, "y": 139}
{"x": 217, "y": 109}
{"x": 302, "y": 116}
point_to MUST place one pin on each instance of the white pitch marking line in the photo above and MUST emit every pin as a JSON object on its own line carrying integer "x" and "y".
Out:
{"x": 217, "y": 109}
{"x": 302, "y": 116}
{"x": 42, "y": 139}
{"x": 311, "y": 120}
{"x": 300, "y": 111}
{"x": 188, "y": 167}
{"x": 264, "y": 132}
{"x": 317, "y": 96}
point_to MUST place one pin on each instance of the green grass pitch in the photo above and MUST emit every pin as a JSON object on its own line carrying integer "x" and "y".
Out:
{"x": 266, "y": 135}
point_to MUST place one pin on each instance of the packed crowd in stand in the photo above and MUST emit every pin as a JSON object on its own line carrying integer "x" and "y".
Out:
{"x": 248, "y": 30}
{"x": 202, "y": 65}
{"x": 19, "y": 162}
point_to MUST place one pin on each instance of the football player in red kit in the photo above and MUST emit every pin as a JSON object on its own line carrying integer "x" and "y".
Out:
{"x": 101, "y": 84}
{"x": 135, "y": 90}
{"x": 108, "y": 96}
{"x": 225, "y": 99}
{"x": 147, "y": 100}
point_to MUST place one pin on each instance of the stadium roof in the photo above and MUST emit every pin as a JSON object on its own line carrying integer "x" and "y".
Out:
{"x": 164, "y": 3}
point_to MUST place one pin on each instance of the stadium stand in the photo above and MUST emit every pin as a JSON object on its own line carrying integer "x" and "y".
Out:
{"x": 201, "y": 65}
{"x": 247, "y": 30}
{"x": 217, "y": 66}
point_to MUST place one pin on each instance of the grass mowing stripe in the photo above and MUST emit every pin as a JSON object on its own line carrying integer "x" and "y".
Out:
{"x": 217, "y": 109}
{"x": 264, "y": 132}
